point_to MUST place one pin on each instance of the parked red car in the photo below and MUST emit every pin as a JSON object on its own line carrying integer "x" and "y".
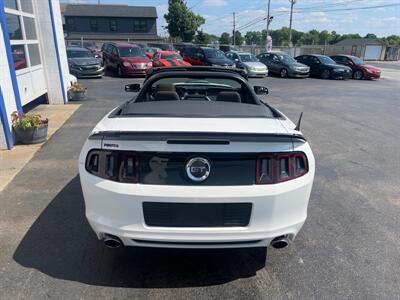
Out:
{"x": 150, "y": 51}
{"x": 168, "y": 59}
{"x": 126, "y": 59}
{"x": 360, "y": 69}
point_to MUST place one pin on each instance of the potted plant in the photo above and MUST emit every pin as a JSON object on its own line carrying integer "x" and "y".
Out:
{"x": 29, "y": 128}
{"x": 77, "y": 91}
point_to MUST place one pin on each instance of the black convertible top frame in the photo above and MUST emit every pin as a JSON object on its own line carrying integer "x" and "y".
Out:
{"x": 154, "y": 71}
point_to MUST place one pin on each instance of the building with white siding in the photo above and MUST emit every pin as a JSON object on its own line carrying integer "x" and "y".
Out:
{"x": 33, "y": 62}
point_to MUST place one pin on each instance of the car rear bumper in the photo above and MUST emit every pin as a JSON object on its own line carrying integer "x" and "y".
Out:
{"x": 117, "y": 209}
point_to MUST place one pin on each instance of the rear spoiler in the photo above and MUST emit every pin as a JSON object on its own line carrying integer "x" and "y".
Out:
{"x": 215, "y": 138}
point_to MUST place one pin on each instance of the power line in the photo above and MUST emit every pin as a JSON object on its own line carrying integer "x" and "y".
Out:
{"x": 327, "y": 10}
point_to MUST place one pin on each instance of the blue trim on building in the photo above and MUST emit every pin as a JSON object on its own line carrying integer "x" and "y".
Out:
{"x": 4, "y": 122}
{"x": 10, "y": 57}
{"x": 53, "y": 26}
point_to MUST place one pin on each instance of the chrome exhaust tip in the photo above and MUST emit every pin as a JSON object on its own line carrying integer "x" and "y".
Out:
{"x": 280, "y": 242}
{"x": 111, "y": 241}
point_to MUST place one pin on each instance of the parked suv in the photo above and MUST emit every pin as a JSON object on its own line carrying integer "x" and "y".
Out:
{"x": 360, "y": 68}
{"x": 125, "y": 59}
{"x": 206, "y": 56}
{"x": 283, "y": 64}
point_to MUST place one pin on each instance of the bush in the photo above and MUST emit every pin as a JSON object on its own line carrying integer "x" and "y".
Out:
{"x": 24, "y": 121}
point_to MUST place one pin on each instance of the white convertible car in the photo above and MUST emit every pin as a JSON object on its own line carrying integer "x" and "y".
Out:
{"x": 196, "y": 160}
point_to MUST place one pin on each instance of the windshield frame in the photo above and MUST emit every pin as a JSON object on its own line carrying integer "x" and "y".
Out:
{"x": 138, "y": 49}
{"x": 90, "y": 54}
{"x": 251, "y": 56}
{"x": 286, "y": 58}
{"x": 357, "y": 61}
{"x": 221, "y": 54}
{"x": 326, "y": 60}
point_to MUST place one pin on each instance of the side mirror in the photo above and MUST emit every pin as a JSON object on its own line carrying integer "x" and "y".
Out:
{"x": 261, "y": 90}
{"x": 236, "y": 59}
{"x": 97, "y": 56}
{"x": 135, "y": 87}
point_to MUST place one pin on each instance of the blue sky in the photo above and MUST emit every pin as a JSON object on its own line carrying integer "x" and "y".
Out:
{"x": 309, "y": 14}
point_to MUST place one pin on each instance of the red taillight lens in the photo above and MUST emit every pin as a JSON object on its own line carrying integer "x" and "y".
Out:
{"x": 279, "y": 167}
{"x": 120, "y": 166}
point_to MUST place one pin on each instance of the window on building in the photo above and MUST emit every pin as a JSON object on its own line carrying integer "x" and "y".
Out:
{"x": 34, "y": 54}
{"x": 139, "y": 25}
{"x": 113, "y": 25}
{"x": 30, "y": 30}
{"x": 93, "y": 25}
{"x": 26, "y": 6}
{"x": 18, "y": 52}
{"x": 71, "y": 24}
{"x": 14, "y": 27}
{"x": 10, "y": 4}
{"x": 21, "y": 25}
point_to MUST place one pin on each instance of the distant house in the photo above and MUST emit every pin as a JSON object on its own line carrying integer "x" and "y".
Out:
{"x": 366, "y": 48}
{"x": 110, "y": 22}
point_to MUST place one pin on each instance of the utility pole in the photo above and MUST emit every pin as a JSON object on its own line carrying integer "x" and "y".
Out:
{"x": 234, "y": 29}
{"x": 268, "y": 17}
{"x": 292, "y": 2}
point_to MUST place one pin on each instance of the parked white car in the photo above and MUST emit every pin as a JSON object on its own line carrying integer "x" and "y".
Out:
{"x": 196, "y": 160}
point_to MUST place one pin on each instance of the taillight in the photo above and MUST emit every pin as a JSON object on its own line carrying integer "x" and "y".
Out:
{"x": 279, "y": 167}
{"x": 120, "y": 166}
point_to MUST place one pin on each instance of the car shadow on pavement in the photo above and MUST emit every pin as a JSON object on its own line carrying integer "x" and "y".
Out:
{"x": 61, "y": 244}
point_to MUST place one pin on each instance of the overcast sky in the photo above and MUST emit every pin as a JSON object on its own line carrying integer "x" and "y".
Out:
{"x": 344, "y": 16}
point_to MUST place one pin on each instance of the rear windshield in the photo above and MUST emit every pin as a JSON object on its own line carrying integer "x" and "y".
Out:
{"x": 248, "y": 58}
{"x": 213, "y": 53}
{"x": 131, "y": 51}
{"x": 170, "y": 56}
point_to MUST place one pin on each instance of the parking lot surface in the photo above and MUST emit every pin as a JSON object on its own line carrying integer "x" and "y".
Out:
{"x": 349, "y": 246}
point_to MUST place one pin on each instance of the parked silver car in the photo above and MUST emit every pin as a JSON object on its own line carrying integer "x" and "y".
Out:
{"x": 83, "y": 63}
{"x": 249, "y": 62}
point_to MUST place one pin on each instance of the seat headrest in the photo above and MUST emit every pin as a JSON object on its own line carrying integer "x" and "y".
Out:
{"x": 229, "y": 96}
{"x": 165, "y": 87}
{"x": 166, "y": 96}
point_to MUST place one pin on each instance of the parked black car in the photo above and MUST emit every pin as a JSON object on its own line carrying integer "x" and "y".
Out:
{"x": 206, "y": 56}
{"x": 283, "y": 64}
{"x": 324, "y": 67}
{"x": 83, "y": 63}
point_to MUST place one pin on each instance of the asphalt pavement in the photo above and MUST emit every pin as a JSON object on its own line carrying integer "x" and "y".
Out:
{"x": 348, "y": 248}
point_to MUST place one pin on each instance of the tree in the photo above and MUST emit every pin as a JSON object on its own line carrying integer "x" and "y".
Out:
{"x": 393, "y": 40}
{"x": 238, "y": 38}
{"x": 253, "y": 38}
{"x": 182, "y": 22}
{"x": 225, "y": 39}
{"x": 371, "y": 36}
{"x": 202, "y": 38}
